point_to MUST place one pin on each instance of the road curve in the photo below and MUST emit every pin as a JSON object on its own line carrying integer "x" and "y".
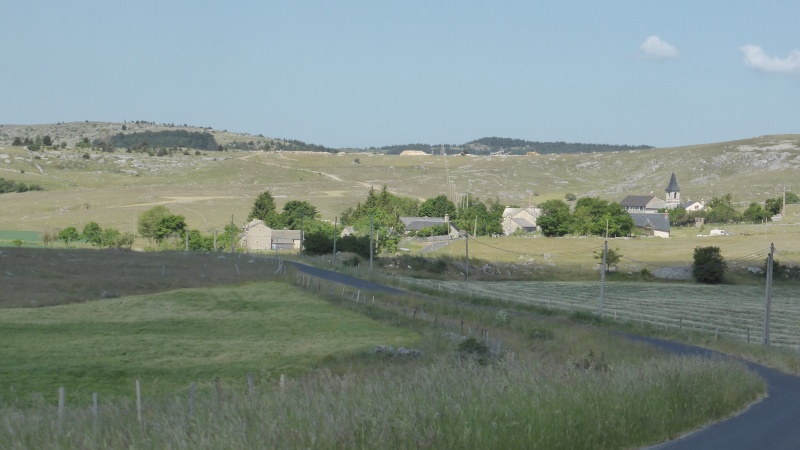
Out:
{"x": 771, "y": 424}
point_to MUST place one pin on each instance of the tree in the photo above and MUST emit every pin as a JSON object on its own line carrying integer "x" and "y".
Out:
{"x": 170, "y": 225}
{"x": 438, "y": 206}
{"x": 47, "y": 140}
{"x": 708, "y": 265}
{"x": 570, "y": 197}
{"x": 263, "y": 208}
{"x": 68, "y": 235}
{"x": 92, "y": 234}
{"x": 755, "y": 213}
{"x": 774, "y": 205}
{"x": 296, "y": 211}
{"x": 612, "y": 257}
{"x": 318, "y": 238}
{"x": 148, "y": 221}
{"x": 110, "y": 237}
{"x": 555, "y": 218}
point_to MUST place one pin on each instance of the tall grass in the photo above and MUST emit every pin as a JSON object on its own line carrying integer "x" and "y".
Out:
{"x": 450, "y": 404}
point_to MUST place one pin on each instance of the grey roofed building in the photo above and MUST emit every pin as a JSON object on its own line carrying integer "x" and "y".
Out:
{"x": 419, "y": 223}
{"x": 643, "y": 203}
{"x": 654, "y": 224}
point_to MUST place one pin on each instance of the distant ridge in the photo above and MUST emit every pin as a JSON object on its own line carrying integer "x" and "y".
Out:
{"x": 129, "y": 134}
{"x": 508, "y": 146}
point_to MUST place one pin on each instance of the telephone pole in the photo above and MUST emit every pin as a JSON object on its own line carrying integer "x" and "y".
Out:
{"x": 768, "y": 295}
{"x": 335, "y": 220}
{"x": 603, "y": 279}
{"x": 371, "y": 245}
{"x": 466, "y": 272}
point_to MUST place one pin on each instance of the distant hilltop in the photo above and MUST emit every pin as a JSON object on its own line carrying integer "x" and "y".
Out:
{"x": 141, "y": 133}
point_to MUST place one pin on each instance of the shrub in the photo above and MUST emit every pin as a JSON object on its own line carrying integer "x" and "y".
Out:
{"x": 708, "y": 265}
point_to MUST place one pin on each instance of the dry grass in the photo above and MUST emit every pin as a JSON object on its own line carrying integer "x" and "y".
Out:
{"x": 207, "y": 190}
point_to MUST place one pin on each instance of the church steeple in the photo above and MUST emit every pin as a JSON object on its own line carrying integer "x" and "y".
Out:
{"x": 673, "y": 193}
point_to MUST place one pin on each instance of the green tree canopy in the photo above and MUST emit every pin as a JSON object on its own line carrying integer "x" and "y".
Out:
{"x": 295, "y": 211}
{"x": 149, "y": 220}
{"x": 264, "y": 209}
{"x": 555, "y": 219}
{"x": 708, "y": 266}
{"x": 92, "y": 234}
{"x": 594, "y": 216}
{"x": 170, "y": 225}
{"x": 438, "y": 206}
{"x": 69, "y": 235}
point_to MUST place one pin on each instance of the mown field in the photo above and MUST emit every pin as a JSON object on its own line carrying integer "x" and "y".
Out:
{"x": 733, "y": 311}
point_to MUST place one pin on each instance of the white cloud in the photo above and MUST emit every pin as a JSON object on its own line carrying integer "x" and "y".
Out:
{"x": 653, "y": 47}
{"x": 757, "y": 58}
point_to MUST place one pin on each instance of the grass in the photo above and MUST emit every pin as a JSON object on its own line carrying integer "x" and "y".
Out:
{"x": 171, "y": 339}
{"x": 226, "y": 183}
{"x": 545, "y": 381}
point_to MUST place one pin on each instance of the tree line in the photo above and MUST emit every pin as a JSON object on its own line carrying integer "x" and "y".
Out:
{"x": 591, "y": 216}
{"x": 7, "y": 186}
{"x": 721, "y": 210}
{"x": 165, "y": 138}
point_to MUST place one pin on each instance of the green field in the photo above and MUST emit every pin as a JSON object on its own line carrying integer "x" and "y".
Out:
{"x": 172, "y": 339}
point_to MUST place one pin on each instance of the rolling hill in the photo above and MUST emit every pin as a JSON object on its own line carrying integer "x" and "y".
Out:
{"x": 209, "y": 187}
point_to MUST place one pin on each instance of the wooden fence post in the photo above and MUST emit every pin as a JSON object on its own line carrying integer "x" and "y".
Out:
{"x": 250, "y": 386}
{"x": 138, "y": 402}
{"x": 60, "y": 404}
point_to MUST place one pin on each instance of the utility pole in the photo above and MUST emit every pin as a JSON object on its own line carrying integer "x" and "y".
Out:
{"x": 475, "y": 227}
{"x": 768, "y": 296}
{"x": 371, "y": 245}
{"x": 302, "y": 232}
{"x": 215, "y": 241}
{"x": 603, "y": 279}
{"x": 335, "y": 220}
{"x": 466, "y": 272}
{"x": 186, "y": 233}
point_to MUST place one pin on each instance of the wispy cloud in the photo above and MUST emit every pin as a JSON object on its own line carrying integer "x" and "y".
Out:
{"x": 755, "y": 57}
{"x": 654, "y": 48}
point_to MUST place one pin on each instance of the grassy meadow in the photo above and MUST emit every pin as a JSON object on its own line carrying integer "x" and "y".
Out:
{"x": 168, "y": 340}
{"x": 514, "y": 379}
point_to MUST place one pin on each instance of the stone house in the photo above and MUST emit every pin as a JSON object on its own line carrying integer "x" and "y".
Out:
{"x": 260, "y": 237}
{"x": 514, "y": 219}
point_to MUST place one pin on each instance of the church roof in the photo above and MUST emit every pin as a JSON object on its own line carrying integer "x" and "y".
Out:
{"x": 673, "y": 184}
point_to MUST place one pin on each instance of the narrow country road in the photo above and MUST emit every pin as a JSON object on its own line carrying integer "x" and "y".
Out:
{"x": 771, "y": 424}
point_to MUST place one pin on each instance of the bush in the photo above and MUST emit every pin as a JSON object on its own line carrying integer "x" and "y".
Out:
{"x": 708, "y": 265}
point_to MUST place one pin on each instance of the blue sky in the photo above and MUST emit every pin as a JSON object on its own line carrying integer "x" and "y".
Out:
{"x": 374, "y": 73}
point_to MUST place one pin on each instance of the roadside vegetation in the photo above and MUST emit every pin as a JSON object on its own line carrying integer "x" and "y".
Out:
{"x": 323, "y": 374}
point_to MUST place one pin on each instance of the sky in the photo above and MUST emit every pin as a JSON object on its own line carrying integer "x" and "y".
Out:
{"x": 375, "y": 73}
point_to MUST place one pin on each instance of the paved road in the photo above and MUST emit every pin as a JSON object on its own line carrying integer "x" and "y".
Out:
{"x": 771, "y": 424}
{"x": 344, "y": 279}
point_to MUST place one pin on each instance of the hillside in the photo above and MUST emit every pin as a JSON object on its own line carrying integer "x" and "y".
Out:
{"x": 132, "y": 134}
{"x": 208, "y": 188}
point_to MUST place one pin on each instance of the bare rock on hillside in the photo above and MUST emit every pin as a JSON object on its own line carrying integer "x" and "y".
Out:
{"x": 673, "y": 273}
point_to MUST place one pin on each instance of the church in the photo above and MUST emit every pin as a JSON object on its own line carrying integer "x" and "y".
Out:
{"x": 651, "y": 203}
